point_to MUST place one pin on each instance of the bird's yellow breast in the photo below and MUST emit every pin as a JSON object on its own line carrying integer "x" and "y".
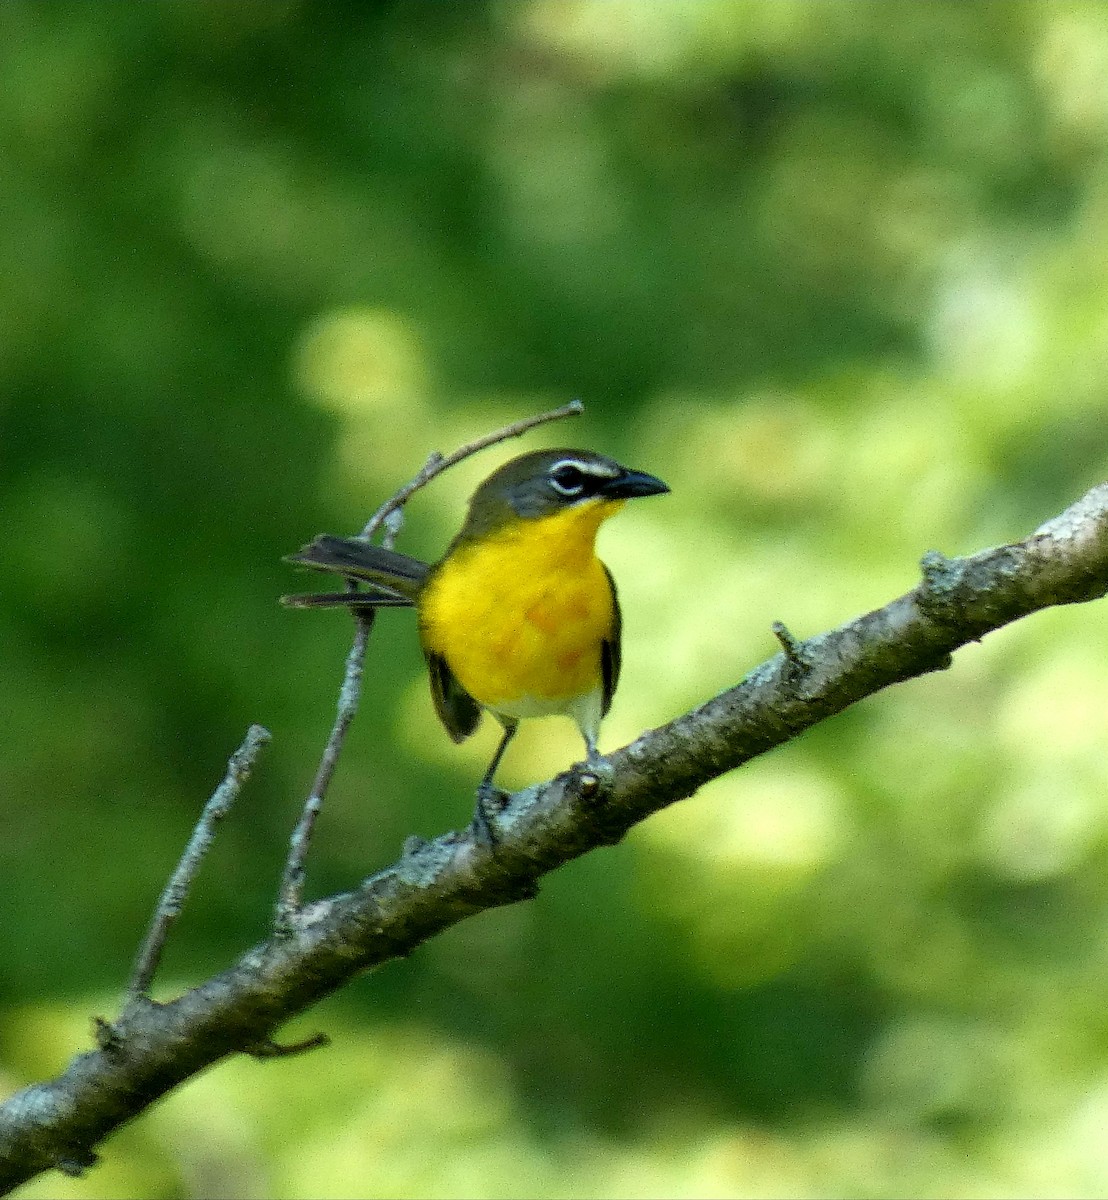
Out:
{"x": 520, "y": 615}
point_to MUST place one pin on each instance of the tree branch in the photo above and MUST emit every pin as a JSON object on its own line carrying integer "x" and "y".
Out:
{"x": 155, "y": 1047}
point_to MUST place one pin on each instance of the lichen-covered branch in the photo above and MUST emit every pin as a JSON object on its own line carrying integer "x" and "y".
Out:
{"x": 155, "y": 1047}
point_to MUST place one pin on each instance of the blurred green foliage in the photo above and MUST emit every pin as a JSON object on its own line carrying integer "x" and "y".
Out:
{"x": 837, "y": 272}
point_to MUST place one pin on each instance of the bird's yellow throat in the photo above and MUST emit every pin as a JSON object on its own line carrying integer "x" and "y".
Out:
{"x": 520, "y": 613}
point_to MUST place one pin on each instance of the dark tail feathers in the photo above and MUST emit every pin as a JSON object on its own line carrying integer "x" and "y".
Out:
{"x": 352, "y": 600}
{"x": 396, "y": 578}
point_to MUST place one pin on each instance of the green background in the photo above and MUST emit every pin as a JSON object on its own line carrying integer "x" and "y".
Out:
{"x": 838, "y": 272}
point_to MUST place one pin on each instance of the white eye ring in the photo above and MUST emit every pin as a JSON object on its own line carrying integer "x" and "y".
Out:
{"x": 570, "y": 471}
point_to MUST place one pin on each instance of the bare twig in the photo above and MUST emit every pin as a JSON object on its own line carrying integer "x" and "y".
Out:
{"x": 177, "y": 889}
{"x": 291, "y": 894}
{"x": 154, "y": 1048}
{"x": 436, "y": 464}
{"x": 390, "y": 516}
{"x": 268, "y": 1048}
{"x": 789, "y": 644}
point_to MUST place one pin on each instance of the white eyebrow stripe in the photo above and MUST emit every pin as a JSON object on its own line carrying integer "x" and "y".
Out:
{"x": 597, "y": 470}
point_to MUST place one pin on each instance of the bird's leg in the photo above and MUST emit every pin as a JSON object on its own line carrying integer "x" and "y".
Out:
{"x": 594, "y": 760}
{"x": 489, "y": 797}
{"x": 596, "y": 764}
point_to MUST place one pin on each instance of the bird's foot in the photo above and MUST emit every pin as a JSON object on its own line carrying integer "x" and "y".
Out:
{"x": 490, "y": 804}
{"x": 595, "y": 774}
{"x": 595, "y": 761}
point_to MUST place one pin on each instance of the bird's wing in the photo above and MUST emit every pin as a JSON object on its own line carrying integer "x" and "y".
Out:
{"x": 457, "y": 709}
{"x": 610, "y": 653}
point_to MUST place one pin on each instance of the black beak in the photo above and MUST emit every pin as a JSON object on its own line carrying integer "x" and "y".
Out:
{"x": 632, "y": 483}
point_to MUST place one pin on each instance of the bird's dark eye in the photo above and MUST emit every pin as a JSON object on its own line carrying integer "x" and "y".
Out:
{"x": 568, "y": 479}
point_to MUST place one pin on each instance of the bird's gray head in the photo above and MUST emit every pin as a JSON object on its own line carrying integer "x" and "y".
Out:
{"x": 548, "y": 481}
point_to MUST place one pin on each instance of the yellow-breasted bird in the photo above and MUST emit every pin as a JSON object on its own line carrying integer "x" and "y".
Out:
{"x": 519, "y": 616}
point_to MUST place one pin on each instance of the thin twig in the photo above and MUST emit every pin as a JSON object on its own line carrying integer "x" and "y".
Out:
{"x": 436, "y": 464}
{"x": 389, "y": 515}
{"x": 268, "y": 1048}
{"x": 176, "y": 891}
{"x": 291, "y": 894}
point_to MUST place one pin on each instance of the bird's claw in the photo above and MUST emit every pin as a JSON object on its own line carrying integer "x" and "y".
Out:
{"x": 490, "y": 803}
{"x": 594, "y": 774}
{"x": 596, "y": 764}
